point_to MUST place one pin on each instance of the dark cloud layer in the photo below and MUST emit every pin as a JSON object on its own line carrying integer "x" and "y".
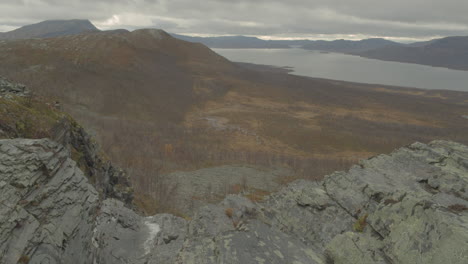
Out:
{"x": 398, "y": 19}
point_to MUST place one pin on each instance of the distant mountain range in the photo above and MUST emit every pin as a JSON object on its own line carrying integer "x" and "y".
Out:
{"x": 450, "y": 52}
{"x": 235, "y": 42}
{"x": 348, "y": 46}
{"x": 243, "y": 42}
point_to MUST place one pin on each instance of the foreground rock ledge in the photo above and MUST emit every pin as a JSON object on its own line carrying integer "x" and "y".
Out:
{"x": 407, "y": 207}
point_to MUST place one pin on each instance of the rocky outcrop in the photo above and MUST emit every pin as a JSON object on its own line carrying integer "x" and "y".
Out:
{"x": 47, "y": 206}
{"x": 407, "y": 207}
{"x": 414, "y": 203}
{"x": 110, "y": 181}
{"x": 7, "y": 89}
{"x": 33, "y": 118}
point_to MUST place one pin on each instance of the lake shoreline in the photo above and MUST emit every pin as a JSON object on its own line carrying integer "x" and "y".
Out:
{"x": 348, "y": 68}
{"x": 288, "y": 70}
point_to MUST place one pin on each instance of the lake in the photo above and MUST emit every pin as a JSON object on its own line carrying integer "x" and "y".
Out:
{"x": 344, "y": 67}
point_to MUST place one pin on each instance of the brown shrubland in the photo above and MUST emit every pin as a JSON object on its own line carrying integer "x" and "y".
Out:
{"x": 158, "y": 106}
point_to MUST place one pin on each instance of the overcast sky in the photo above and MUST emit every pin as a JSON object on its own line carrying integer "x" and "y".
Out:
{"x": 326, "y": 19}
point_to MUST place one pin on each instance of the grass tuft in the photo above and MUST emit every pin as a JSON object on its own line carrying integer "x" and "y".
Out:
{"x": 229, "y": 212}
{"x": 361, "y": 223}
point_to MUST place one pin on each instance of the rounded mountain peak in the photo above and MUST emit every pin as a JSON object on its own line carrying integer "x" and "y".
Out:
{"x": 153, "y": 32}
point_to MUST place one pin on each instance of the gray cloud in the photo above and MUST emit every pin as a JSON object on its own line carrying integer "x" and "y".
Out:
{"x": 401, "y": 19}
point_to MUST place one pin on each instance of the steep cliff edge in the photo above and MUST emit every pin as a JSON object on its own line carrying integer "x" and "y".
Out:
{"x": 407, "y": 207}
{"x": 24, "y": 115}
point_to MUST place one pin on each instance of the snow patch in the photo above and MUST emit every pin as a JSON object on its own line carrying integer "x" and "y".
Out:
{"x": 154, "y": 229}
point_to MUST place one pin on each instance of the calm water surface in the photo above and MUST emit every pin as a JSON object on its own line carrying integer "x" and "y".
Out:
{"x": 352, "y": 68}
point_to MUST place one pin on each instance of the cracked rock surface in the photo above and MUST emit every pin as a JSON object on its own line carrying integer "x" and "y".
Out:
{"x": 47, "y": 206}
{"x": 410, "y": 206}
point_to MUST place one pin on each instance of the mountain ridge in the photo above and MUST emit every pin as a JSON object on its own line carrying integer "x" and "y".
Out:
{"x": 244, "y": 42}
{"x": 51, "y": 28}
{"x": 349, "y": 46}
{"x": 234, "y": 42}
{"x": 449, "y": 52}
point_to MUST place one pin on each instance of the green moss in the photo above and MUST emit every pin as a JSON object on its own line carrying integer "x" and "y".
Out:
{"x": 23, "y": 259}
{"x": 361, "y": 223}
{"x": 78, "y": 157}
{"x": 20, "y": 126}
{"x": 21, "y": 117}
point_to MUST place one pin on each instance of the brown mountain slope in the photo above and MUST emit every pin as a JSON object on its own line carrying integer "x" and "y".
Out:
{"x": 50, "y": 28}
{"x": 159, "y": 104}
{"x": 129, "y": 74}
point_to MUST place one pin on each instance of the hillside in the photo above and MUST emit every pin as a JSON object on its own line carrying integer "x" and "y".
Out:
{"x": 159, "y": 105}
{"x": 50, "y": 28}
{"x": 450, "y": 52}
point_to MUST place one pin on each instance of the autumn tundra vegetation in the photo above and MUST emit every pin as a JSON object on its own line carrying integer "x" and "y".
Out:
{"x": 158, "y": 105}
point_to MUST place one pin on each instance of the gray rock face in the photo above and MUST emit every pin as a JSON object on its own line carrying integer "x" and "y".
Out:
{"x": 416, "y": 201}
{"x": 304, "y": 209}
{"x": 122, "y": 236}
{"x": 47, "y": 207}
{"x": 407, "y": 207}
